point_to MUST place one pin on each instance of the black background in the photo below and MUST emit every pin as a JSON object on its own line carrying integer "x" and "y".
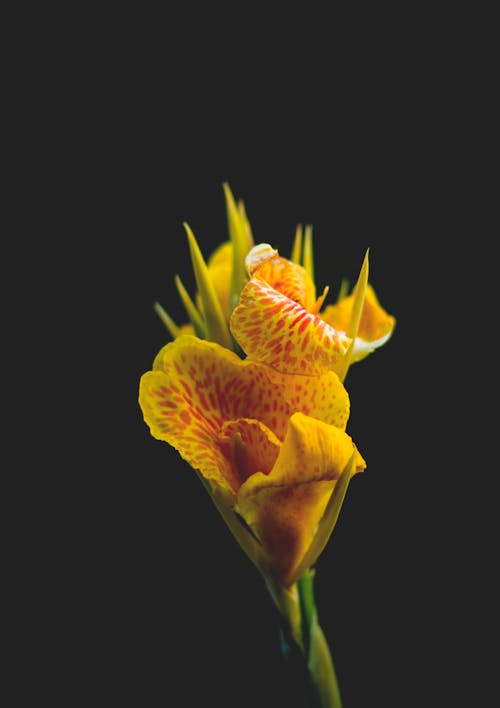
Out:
{"x": 143, "y": 597}
{"x": 175, "y": 606}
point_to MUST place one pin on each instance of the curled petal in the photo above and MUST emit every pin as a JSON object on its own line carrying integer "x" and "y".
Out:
{"x": 274, "y": 329}
{"x": 375, "y": 327}
{"x": 285, "y": 506}
{"x": 288, "y": 278}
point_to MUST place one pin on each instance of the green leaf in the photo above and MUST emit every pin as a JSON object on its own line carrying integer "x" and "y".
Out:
{"x": 308, "y": 256}
{"x": 166, "y": 319}
{"x": 296, "y": 256}
{"x": 248, "y": 229}
{"x": 192, "y": 311}
{"x": 357, "y": 309}
{"x": 215, "y": 323}
{"x": 239, "y": 235}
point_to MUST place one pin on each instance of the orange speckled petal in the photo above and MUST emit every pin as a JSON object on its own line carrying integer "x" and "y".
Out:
{"x": 174, "y": 417}
{"x": 375, "y": 327}
{"x": 322, "y": 397}
{"x": 224, "y": 387}
{"x": 288, "y": 278}
{"x": 250, "y": 445}
{"x": 277, "y": 331}
{"x": 285, "y": 506}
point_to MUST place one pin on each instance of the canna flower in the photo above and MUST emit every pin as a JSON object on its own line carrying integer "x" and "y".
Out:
{"x": 270, "y": 446}
{"x": 250, "y": 393}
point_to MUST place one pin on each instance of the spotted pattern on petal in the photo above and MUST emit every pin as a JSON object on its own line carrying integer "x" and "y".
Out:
{"x": 274, "y": 329}
{"x": 173, "y": 416}
{"x": 289, "y": 279}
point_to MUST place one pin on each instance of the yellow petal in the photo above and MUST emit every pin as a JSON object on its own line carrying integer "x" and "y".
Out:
{"x": 276, "y": 330}
{"x": 375, "y": 327}
{"x": 284, "y": 507}
{"x": 224, "y": 387}
{"x": 222, "y": 255}
{"x": 177, "y": 419}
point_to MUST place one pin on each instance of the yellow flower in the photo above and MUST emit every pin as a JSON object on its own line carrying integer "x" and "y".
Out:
{"x": 278, "y": 320}
{"x": 271, "y": 445}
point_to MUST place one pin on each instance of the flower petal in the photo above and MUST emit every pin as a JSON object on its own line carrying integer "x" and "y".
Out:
{"x": 278, "y": 331}
{"x": 375, "y": 327}
{"x": 284, "y": 507}
{"x": 286, "y": 277}
{"x": 250, "y": 445}
{"x": 224, "y": 387}
{"x": 178, "y": 421}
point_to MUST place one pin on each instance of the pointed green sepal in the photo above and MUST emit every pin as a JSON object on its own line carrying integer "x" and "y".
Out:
{"x": 308, "y": 255}
{"x": 167, "y": 320}
{"x": 215, "y": 323}
{"x": 248, "y": 228}
{"x": 238, "y": 234}
{"x": 328, "y": 521}
{"x": 192, "y": 311}
{"x": 296, "y": 255}
{"x": 357, "y": 309}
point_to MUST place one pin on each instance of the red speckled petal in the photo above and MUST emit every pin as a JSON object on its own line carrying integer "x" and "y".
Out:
{"x": 277, "y": 331}
{"x": 173, "y": 416}
{"x": 224, "y": 387}
{"x": 285, "y": 506}
{"x": 289, "y": 279}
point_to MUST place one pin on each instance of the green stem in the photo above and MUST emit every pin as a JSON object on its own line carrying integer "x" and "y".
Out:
{"x": 288, "y": 603}
{"x": 297, "y": 608}
{"x": 319, "y": 659}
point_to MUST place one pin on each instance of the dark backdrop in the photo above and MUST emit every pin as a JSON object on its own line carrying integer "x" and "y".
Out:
{"x": 156, "y": 599}
{"x": 176, "y": 607}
